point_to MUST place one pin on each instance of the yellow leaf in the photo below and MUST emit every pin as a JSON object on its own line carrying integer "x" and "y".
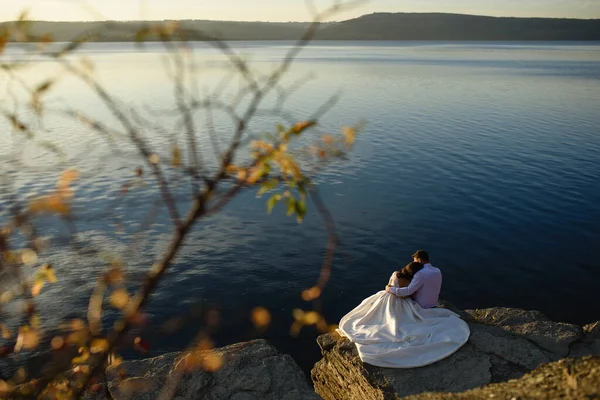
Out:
{"x": 27, "y": 338}
{"x": 176, "y": 156}
{"x": 99, "y": 345}
{"x": 261, "y": 145}
{"x": 212, "y": 362}
{"x": 207, "y": 360}
{"x": 311, "y": 317}
{"x": 84, "y": 355}
{"x": 254, "y": 175}
{"x": 242, "y": 174}
{"x": 119, "y": 299}
{"x": 5, "y": 388}
{"x": 49, "y": 273}
{"x": 154, "y": 158}
{"x": 350, "y": 135}
{"x": 35, "y": 321}
{"x": 298, "y": 314}
{"x": 231, "y": 169}
{"x": 36, "y": 289}
{"x": 296, "y": 328}
{"x": 28, "y": 257}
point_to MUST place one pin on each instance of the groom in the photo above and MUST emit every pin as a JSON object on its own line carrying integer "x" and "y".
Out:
{"x": 426, "y": 284}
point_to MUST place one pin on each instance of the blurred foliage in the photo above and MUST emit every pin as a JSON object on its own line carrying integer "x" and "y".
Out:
{"x": 82, "y": 347}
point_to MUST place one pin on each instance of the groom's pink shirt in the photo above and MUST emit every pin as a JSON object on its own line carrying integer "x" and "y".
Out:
{"x": 425, "y": 285}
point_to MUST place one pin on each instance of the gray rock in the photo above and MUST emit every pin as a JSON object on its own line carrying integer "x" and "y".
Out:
{"x": 505, "y": 344}
{"x": 250, "y": 370}
{"x": 465, "y": 369}
{"x": 555, "y": 337}
{"x": 342, "y": 375}
{"x": 589, "y": 344}
{"x": 592, "y": 330}
{"x": 509, "y": 347}
{"x": 564, "y": 379}
{"x": 503, "y": 370}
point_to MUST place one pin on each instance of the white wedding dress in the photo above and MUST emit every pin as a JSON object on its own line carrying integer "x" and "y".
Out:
{"x": 398, "y": 333}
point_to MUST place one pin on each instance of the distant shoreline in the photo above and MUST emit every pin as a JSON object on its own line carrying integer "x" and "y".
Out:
{"x": 371, "y": 27}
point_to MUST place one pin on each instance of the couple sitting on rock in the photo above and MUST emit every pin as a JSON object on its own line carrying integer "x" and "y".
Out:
{"x": 402, "y": 327}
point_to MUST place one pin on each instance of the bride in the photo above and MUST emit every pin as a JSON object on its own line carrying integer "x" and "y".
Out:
{"x": 395, "y": 332}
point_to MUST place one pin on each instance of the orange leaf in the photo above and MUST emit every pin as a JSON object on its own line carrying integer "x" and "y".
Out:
{"x": 67, "y": 177}
{"x": 261, "y": 317}
{"x": 254, "y": 176}
{"x": 242, "y": 174}
{"x": 311, "y": 294}
{"x": 57, "y": 342}
{"x": 119, "y": 298}
{"x": 4, "y": 36}
{"x": 36, "y": 289}
{"x": 328, "y": 139}
{"x": 53, "y": 203}
{"x": 302, "y": 126}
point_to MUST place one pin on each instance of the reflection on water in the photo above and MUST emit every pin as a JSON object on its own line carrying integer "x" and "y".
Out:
{"x": 485, "y": 154}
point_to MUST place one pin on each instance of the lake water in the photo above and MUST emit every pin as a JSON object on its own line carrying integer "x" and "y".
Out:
{"x": 485, "y": 154}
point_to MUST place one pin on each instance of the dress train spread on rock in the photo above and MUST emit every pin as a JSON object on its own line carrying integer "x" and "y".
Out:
{"x": 398, "y": 333}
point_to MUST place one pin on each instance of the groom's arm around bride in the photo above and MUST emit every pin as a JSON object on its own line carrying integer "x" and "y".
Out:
{"x": 425, "y": 285}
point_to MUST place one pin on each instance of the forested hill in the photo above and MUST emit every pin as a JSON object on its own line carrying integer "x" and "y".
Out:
{"x": 117, "y": 31}
{"x": 402, "y": 26}
{"x": 378, "y": 26}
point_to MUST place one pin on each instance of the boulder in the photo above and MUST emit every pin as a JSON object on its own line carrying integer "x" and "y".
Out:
{"x": 589, "y": 344}
{"x": 244, "y": 371}
{"x": 565, "y": 379}
{"x": 514, "y": 349}
{"x": 465, "y": 369}
{"x": 505, "y": 344}
{"x": 342, "y": 372}
{"x": 555, "y": 337}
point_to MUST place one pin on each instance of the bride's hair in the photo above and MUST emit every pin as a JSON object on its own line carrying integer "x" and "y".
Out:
{"x": 409, "y": 271}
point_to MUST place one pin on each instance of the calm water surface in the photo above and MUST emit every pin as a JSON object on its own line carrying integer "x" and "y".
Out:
{"x": 485, "y": 154}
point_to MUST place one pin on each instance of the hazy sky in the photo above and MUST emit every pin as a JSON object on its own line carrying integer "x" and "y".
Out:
{"x": 281, "y": 10}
